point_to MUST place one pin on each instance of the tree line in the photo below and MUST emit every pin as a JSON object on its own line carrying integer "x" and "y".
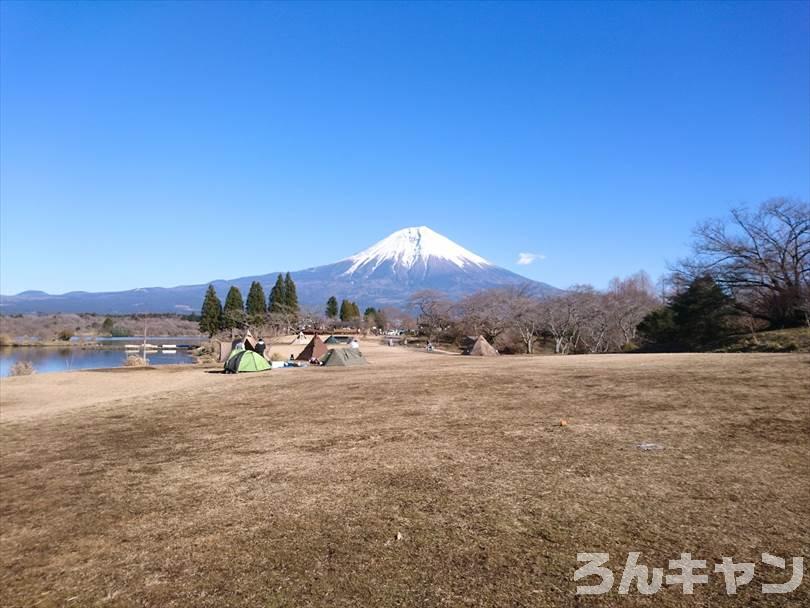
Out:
{"x": 514, "y": 319}
{"x": 748, "y": 272}
{"x": 280, "y": 309}
{"x": 349, "y": 313}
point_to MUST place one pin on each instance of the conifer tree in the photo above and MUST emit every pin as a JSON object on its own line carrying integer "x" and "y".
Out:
{"x": 702, "y": 313}
{"x": 211, "y": 313}
{"x": 278, "y": 297}
{"x": 332, "y": 307}
{"x": 234, "y": 301}
{"x": 256, "y": 306}
{"x": 290, "y": 295}
{"x": 345, "y": 310}
{"x": 699, "y": 317}
{"x": 233, "y": 313}
{"x": 349, "y": 311}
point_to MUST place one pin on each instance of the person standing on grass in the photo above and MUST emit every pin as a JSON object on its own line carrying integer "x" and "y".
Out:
{"x": 260, "y": 346}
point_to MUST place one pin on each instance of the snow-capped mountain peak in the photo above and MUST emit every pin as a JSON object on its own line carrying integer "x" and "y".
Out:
{"x": 386, "y": 274}
{"x": 411, "y": 247}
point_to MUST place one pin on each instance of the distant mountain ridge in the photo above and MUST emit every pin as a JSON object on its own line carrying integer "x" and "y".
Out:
{"x": 385, "y": 274}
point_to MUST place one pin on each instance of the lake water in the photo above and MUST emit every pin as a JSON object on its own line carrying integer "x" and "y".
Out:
{"x": 46, "y": 359}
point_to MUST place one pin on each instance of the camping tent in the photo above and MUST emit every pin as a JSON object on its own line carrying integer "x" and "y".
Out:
{"x": 222, "y": 349}
{"x": 481, "y": 348}
{"x": 314, "y": 350}
{"x": 245, "y": 361}
{"x": 338, "y": 340}
{"x": 343, "y": 357}
{"x": 300, "y": 339}
{"x": 250, "y": 341}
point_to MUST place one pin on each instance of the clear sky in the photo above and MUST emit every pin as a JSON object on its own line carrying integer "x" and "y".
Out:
{"x": 141, "y": 144}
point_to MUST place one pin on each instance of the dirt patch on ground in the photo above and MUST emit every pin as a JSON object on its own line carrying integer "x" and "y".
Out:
{"x": 419, "y": 480}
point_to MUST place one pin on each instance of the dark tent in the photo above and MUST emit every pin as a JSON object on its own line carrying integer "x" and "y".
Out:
{"x": 343, "y": 357}
{"x": 314, "y": 350}
{"x": 245, "y": 361}
{"x": 338, "y": 340}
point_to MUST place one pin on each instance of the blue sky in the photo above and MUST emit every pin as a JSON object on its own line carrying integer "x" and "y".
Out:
{"x": 596, "y": 135}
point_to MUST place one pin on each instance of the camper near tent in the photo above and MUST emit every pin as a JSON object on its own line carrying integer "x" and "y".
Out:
{"x": 224, "y": 348}
{"x": 314, "y": 350}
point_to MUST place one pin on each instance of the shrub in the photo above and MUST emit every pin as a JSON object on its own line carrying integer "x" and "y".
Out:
{"x": 64, "y": 335}
{"x": 107, "y": 326}
{"x": 5, "y": 340}
{"x": 135, "y": 361}
{"x": 22, "y": 368}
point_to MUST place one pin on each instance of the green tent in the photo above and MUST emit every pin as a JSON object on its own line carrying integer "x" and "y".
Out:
{"x": 245, "y": 361}
{"x": 343, "y": 357}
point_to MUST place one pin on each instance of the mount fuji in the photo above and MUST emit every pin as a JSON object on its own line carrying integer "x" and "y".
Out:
{"x": 385, "y": 274}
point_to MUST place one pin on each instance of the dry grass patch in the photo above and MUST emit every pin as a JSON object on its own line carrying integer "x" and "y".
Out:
{"x": 419, "y": 480}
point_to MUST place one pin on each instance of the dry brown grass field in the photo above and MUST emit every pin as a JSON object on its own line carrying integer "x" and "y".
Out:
{"x": 420, "y": 480}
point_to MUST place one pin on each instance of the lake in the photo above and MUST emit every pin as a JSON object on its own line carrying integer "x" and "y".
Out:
{"x": 47, "y": 359}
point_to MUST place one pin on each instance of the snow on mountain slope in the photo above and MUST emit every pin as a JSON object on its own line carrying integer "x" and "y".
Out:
{"x": 385, "y": 274}
{"x": 410, "y": 247}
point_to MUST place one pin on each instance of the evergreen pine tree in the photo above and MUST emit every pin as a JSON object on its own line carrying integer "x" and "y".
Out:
{"x": 355, "y": 311}
{"x": 658, "y": 326}
{"x": 278, "y": 297}
{"x": 211, "y": 313}
{"x": 290, "y": 295}
{"x": 345, "y": 310}
{"x": 370, "y": 317}
{"x": 256, "y": 306}
{"x": 694, "y": 320}
{"x": 701, "y": 313}
{"x": 233, "y": 313}
{"x": 332, "y": 307}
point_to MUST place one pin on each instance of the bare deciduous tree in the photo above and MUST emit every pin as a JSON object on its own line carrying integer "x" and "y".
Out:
{"x": 561, "y": 316}
{"x": 484, "y": 313}
{"x": 762, "y": 258}
{"x": 434, "y": 311}
{"x": 525, "y": 314}
{"x": 629, "y": 301}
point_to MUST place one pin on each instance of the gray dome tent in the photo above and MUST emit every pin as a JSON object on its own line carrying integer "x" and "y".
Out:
{"x": 343, "y": 357}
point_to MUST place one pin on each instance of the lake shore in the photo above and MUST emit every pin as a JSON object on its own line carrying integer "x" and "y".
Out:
{"x": 87, "y": 344}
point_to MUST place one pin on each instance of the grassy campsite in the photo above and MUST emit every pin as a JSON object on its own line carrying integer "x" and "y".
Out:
{"x": 416, "y": 479}
{"x": 404, "y": 304}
